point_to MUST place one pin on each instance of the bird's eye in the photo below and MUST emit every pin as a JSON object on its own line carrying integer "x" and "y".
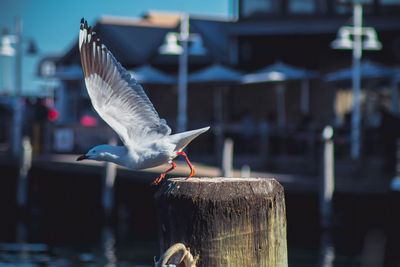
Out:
{"x": 94, "y": 151}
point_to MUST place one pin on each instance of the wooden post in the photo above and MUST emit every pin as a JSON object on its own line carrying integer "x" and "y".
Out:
{"x": 24, "y": 167}
{"x": 395, "y": 183}
{"x": 110, "y": 172}
{"x": 227, "y": 158}
{"x": 245, "y": 171}
{"x": 224, "y": 221}
{"x": 327, "y": 186}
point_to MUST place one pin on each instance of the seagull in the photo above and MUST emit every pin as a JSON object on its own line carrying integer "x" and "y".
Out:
{"x": 124, "y": 106}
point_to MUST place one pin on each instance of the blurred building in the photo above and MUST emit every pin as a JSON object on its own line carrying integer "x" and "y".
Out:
{"x": 296, "y": 32}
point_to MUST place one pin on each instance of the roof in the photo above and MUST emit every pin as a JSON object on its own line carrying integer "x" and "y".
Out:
{"x": 135, "y": 41}
{"x": 148, "y": 74}
{"x": 368, "y": 70}
{"x": 310, "y": 25}
{"x": 277, "y": 72}
{"x": 215, "y": 74}
{"x": 151, "y": 19}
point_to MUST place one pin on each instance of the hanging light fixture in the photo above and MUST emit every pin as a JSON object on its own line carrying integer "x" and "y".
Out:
{"x": 343, "y": 40}
{"x": 6, "y": 49}
{"x": 371, "y": 42}
{"x": 197, "y": 48}
{"x": 171, "y": 46}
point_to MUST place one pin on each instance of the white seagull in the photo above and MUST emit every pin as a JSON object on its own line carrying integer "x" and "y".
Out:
{"x": 123, "y": 105}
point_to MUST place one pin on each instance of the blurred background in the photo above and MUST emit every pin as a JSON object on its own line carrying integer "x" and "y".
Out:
{"x": 304, "y": 91}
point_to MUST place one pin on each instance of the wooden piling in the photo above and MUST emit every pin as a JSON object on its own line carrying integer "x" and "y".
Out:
{"x": 227, "y": 158}
{"x": 24, "y": 166}
{"x": 109, "y": 175}
{"x": 224, "y": 221}
{"x": 327, "y": 186}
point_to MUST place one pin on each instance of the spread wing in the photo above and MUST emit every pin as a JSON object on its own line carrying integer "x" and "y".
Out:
{"x": 115, "y": 95}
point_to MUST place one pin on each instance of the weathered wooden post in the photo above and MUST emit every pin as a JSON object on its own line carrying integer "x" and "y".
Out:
{"x": 109, "y": 174}
{"x": 227, "y": 158}
{"x": 395, "y": 183}
{"x": 224, "y": 221}
{"x": 327, "y": 186}
{"x": 24, "y": 166}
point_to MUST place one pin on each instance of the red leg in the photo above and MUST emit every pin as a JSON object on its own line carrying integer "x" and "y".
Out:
{"x": 188, "y": 162}
{"x": 156, "y": 181}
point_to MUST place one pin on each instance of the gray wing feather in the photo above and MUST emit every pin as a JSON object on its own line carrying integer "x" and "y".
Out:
{"x": 114, "y": 93}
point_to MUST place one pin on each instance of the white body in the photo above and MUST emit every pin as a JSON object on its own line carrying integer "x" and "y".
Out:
{"x": 148, "y": 155}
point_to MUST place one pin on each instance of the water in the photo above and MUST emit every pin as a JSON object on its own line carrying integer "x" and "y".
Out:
{"x": 116, "y": 245}
{"x": 112, "y": 254}
{"x": 63, "y": 226}
{"x": 107, "y": 252}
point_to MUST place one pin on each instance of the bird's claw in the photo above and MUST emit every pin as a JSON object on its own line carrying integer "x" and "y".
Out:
{"x": 188, "y": 162}
{"x": 191, "y": 174}
{"x": 158, "y": 180}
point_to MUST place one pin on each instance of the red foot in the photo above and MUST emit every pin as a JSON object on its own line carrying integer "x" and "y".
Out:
{"x": 188, "y": 162}
{"x": 158, "y": 180}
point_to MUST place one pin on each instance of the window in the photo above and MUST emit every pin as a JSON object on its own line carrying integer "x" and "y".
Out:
{"x": 346, "y": 6}
{"x": 389, "y": 7}
{"x": 254, "y": 7}
{"x": 301, "y": 6}
{"x": 390, "y": 2}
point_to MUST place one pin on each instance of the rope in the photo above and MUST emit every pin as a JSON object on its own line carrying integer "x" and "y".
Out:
{"x": 186, "y": 259}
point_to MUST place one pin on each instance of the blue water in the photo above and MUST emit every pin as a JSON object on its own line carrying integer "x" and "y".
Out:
{"x": 107, "y": 252}
{"x": 112, "y": 252}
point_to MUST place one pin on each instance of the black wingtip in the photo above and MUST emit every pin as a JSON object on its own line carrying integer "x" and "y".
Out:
{"x": 82, "y": 21}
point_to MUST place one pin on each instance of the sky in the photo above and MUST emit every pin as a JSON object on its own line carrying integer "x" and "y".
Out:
{"x": 54, "y": 24}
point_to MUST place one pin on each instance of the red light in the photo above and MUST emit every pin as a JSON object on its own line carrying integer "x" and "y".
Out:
{"x": 53, "y": 114}
{"x": 89, "y": 121}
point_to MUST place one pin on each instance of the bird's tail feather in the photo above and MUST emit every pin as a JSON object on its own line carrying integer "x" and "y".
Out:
{"x": 183, "y": 139}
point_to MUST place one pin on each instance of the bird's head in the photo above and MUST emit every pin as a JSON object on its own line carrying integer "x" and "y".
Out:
{"x": 97, "y": 153}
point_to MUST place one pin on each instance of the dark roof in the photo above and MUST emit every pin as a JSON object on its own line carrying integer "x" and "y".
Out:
{"x": 137, "y": 43}
{"x": 368, "y": 70}
{"x": 279, "y": 71}
{"x": 146, "y": 74}
{"x": 215, "y": 38}
{"x": 309, "y": 25}
{"x": 216, "y": 74}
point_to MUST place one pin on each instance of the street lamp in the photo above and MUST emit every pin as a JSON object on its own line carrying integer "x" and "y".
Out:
{"x": 351, "y": 38}
{"x": 7, "y": 50}
{"x": 172, "y": 47}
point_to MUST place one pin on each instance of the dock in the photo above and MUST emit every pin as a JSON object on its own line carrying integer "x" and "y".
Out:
{"x": 348, "y": 178}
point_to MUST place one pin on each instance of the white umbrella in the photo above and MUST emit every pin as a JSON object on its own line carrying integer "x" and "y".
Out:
{"x": 219, "y": 76}
{"x": 149, "y": 75}
{"x": 368, "y": 69}
{"x": 280, "y": 72}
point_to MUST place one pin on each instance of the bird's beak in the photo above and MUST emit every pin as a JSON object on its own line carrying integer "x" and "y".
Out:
{"x": 82, "y": 158}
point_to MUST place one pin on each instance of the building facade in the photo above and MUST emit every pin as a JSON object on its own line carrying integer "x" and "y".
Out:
{"x": 296, "y": 32}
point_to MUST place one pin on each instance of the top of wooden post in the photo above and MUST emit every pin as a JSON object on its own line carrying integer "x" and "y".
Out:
{"x": 220, "y": 188}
